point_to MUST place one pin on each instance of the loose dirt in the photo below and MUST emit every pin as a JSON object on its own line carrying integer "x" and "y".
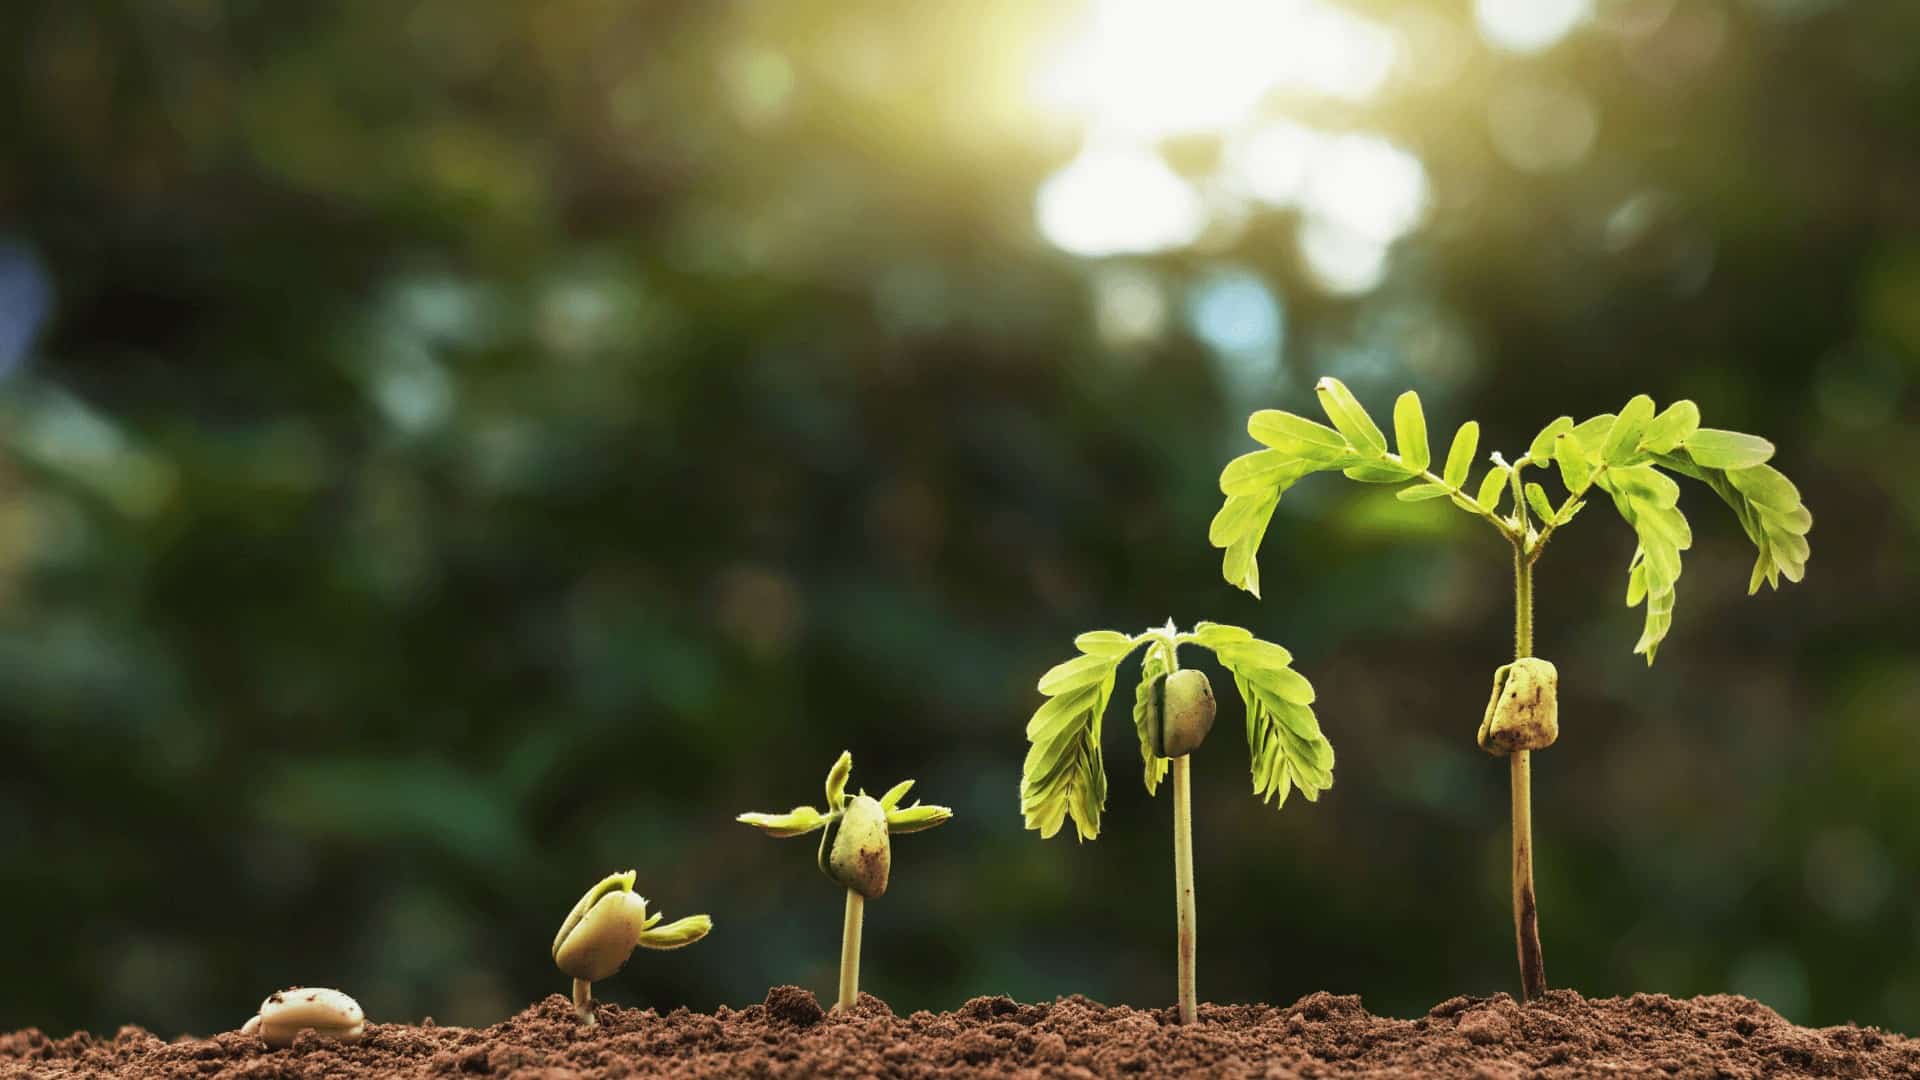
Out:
{"x": 789, "y": 1036}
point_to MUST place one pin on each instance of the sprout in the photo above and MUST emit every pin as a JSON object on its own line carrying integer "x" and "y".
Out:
{"x": 1626, "y": 456}
{"x": 1173, "y": 710}
{"x": 604, "y": 928}
{"x": 856, "y": 849}
{"x": 329, "y": 1014}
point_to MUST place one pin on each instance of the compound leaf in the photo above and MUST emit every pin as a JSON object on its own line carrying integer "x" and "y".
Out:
{"x": 1063, "y": 776}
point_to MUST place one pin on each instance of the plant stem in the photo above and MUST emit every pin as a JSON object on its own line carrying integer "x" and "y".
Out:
{"x": 1183, "y": 880}
{"x": 583, "y": 1001}
{"x": 1526, "y": 911}
{"x": 850, "y": 951}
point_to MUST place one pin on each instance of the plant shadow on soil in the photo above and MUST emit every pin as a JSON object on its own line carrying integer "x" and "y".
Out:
{"x": 789, "y": 1035}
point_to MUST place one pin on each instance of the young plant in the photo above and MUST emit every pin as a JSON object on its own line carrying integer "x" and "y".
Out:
{"x": 856, "y": 851}
{"x": 604, "y": 928}
{"x": 1625, "y": 456}
{"x": 1173, "y": 710}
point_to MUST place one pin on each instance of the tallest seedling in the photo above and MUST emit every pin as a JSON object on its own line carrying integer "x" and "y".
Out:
{"x": 1626, "y": 456}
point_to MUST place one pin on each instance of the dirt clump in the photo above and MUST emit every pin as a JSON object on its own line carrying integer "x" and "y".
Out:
{"x": 791, "y": 1036}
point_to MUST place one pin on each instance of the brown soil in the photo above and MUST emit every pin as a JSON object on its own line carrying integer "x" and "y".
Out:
{"x": 1321, "y": 1035}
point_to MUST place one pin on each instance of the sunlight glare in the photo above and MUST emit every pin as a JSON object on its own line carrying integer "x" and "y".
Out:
{"x": 1344, "y": 262}
{"x": 1367, "y": 186}
{"x": 1147, "y": 68}
{"x": 1528, "y": 26}
{"x": 1119, "y": 201}
{"x": 1272, "y": 162}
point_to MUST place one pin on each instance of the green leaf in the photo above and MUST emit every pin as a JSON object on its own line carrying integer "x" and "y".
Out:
{"x": 1350, "y": 418}
{"x": 795, "y": 822}
{"x": 1063, "y": 776}
{"x": 1537, "y": 499}
{"x": 1421, "y": 492}
{"x": 1769, "y": 510}
{"x": 1284, "y": 682}
{"x": 1410, "y": 432}
{"x": 1154, "y": 767}
{"x": 1240, "y": 564}
{"x": 1623, "y": 438}
{"x": 1591, "y": 433}
{"x": 1107, "y": 643}
{"x": 1218, "y": 635}
{"x": 1378, "y": 472}
{"x": 916, "y": 818}
{"x": 837, "y": 780}
{"x": 894, "y": 794}
{"x": 1568, "y": 509}
{"x": 1674, "y": 426}
{"x": 1284, "y": 743}
{"x": 1252, "y": 653}
{"x": 677, "y": 933}
{"x": 1297, "y": 436}
{"x": 1236, "y": 516}
{"x": 1575, "y": 469}
{"x": 1491, "y": 486}
{"x": 1647, "y": 484}
{"x": 1542, "y": 448}
{"x": 1460, "y": 454}
{"x": 1716, "y": 449}
{"x": 1641, "y": 494}
{"x": 1262, "y": 471}
{"x": 1081, "y": 671}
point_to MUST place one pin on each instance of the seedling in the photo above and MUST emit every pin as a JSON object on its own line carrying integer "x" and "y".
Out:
{"x": 329, "y": 1014}
{"x": 604, "y": 928}
{"x": 1173, "y": 710}
{"x": 856, "y": 850}
{"x": 1625, "y": 455}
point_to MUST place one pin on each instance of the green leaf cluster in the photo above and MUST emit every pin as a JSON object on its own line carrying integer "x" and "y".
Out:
{"x": 1064, "y": 776}
{"x": 805, "y": 819}
{"x": 1355, "y": 446}
{"x": 1626, "y": 455}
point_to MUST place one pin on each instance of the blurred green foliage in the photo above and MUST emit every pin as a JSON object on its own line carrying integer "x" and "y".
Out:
{"x": 450, "y": 451}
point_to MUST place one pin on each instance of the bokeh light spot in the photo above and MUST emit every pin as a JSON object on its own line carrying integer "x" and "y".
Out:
{"x": 1528, "y": 25}
{"x": 1118, "y": 201}
{"x": 1542, "y": 126}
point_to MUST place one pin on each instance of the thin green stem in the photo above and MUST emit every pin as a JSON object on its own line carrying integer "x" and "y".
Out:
{"x": 1184, "y": 918}
{"x": 1526, "y": 909}
{"x": 1183, "y": 882}
{"x": 850, "y": 951}
{"x": 1547, "y": 529}
{"x": 583, "y": 1002}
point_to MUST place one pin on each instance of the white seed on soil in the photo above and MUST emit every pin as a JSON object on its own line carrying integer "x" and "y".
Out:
{"x": 329, "y": 1014}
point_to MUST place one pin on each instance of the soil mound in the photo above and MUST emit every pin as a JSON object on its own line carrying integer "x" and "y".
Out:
{"x": 789, "y": 1036}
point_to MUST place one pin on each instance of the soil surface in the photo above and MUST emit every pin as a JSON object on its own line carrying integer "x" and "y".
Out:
{"x": 1322, "y": 1035}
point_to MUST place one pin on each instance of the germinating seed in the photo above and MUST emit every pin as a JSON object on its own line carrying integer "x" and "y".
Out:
{"x": 856, "y": 851}
{"x": 329, "y": 1014}
{"x": 599, "y": 943}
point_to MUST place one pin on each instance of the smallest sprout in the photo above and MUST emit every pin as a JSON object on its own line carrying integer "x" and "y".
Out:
{"x": 604, "y": 928}
{"x": 329, "y": 1014}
